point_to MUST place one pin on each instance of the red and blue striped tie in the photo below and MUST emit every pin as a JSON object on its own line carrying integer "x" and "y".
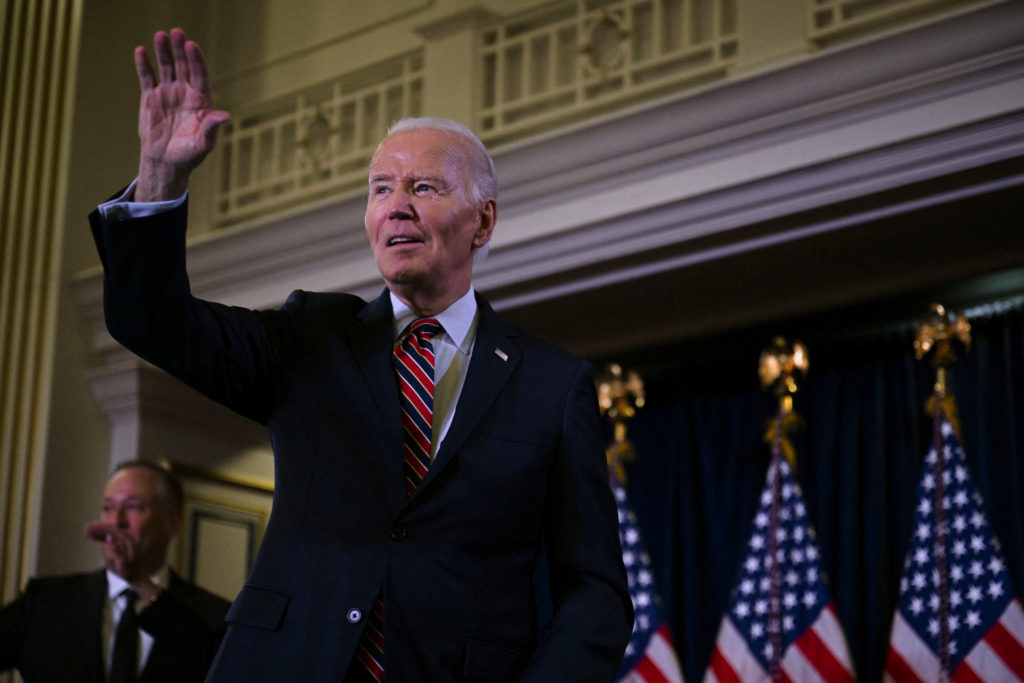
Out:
{"x": 414, "y": 367}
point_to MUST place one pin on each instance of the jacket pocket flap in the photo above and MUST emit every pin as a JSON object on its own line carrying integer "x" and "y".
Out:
{"x": 259, "y": 607}
{"x": 489, "y": 662}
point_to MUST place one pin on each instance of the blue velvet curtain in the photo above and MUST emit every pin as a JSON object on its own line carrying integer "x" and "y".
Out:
{"x": 701, "y": 464}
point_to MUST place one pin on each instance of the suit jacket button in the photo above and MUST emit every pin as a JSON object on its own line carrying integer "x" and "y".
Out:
{"x": 398, "y": 533}
{"x": 354, "y": 616}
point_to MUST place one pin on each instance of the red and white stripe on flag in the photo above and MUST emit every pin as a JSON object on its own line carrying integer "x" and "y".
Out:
{"x": 818, "y": 655}
{"x": 659, "y": 663}
{"x": 999, "y": 656}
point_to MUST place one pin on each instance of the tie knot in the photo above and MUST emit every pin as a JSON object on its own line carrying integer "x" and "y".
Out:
{"x": 425, "y": 327}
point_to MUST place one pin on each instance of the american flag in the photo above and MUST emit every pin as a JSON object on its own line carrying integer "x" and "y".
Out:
{"x": 781, "y": 624}
{"x": 958, "y": 617}
{"x": 650, "y": 656}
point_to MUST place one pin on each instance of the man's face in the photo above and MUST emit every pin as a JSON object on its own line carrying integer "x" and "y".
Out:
{"x": 421, "y": 220}
{"x": 132, "y": 502}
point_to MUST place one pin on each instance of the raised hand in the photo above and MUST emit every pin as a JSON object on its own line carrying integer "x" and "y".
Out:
{"x": 120, "y": 549}
{"x": 121, "y": 555}
{"x": 177, "y": 122}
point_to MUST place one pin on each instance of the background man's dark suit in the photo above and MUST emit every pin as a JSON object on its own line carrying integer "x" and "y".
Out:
{"x": 51, "y": 632}
{"x": 522, "y": 462}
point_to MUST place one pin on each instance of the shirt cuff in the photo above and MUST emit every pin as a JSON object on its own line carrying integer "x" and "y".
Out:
{"x": 120, "y": 208}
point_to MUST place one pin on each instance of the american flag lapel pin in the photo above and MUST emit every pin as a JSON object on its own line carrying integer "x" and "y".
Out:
{"x": 501, "y": 354}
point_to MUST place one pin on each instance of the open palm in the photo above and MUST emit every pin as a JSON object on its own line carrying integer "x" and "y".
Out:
{"x": 177, "y": 122}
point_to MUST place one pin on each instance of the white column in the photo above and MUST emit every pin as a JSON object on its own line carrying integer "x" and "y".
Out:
{"x": 450, "y": 63}
{"x": 35, "y": 110}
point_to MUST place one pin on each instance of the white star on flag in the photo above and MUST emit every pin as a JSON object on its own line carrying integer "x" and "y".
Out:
{"x": 650, "y": 656}
{"x": 957, "y": 578}
{"x": 807, "y": 633}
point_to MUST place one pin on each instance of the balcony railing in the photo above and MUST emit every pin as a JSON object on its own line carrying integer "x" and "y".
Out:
{"x": 561, "y": 63}
{"x": 575, "y": 59}
{"x": 831, "y": 19}
{"x": 315, "y": 143}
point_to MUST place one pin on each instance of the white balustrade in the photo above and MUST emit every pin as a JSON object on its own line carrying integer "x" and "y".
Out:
{"x": 831, "y": 19}
{"x": 576, "y": 59}
{"x": 314, "y": 144}
{"x": 552, "y": 66}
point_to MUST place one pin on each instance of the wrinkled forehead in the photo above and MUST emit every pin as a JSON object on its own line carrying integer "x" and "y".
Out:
{"x": 419, "y": 152}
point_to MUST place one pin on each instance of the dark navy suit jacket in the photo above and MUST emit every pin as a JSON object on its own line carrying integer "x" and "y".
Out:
{"x": 522, "y": 467}
{"x": 51, "y": 632}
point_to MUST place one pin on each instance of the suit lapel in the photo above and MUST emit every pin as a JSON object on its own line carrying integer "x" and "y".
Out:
{"x": 177, "y": 587}
{"x": 160, "y": 661}
{"x": 97, "y": 596}
{"x": 371, "y": 339}
{"x": 495, "y": 356}
{"x": 157, "y": 664}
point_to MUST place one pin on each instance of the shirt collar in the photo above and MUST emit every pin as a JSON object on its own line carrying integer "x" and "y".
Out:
{"x": 457, "y": 319}
{"x": 117, "y": 585}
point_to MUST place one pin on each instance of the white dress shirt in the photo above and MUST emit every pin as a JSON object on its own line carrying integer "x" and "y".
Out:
{"x": 114, "y": 605}
{"x": 452, "y": 350}
{"x": 120, "y": 208}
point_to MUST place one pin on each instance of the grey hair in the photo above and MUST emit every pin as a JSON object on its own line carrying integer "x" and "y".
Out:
{"x": 483, "y": 174}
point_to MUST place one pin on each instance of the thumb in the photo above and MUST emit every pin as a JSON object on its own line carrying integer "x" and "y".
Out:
{"x": 211, "y": 123}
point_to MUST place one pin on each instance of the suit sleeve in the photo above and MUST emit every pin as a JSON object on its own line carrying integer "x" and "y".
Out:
{"x": 593, "y": 613}
{"x": 226, "y": 353}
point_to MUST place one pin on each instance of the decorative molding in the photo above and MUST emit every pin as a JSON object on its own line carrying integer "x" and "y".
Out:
{"x": 469, "y": 18}
{"x": 416, "y": 7}
{"x": 568, "y": 61}
{"x": 812, "y": 95}
{"x": 312, "y": 143}
{"x": 132, "y": 392}
{"x": 831, "y": 20}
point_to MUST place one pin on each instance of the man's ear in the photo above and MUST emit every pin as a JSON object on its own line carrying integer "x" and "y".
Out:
{"x": 485, "y": 228}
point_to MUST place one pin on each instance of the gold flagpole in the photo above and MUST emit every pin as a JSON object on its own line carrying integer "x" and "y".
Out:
{"x": 777, "y": 369}
{"x": 937, "y": 331}
{"x": 619, "y": 394}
